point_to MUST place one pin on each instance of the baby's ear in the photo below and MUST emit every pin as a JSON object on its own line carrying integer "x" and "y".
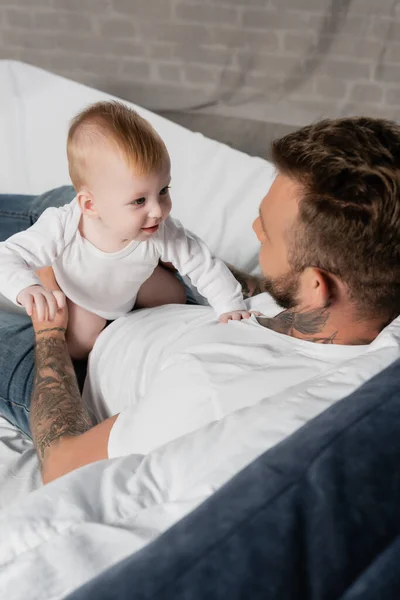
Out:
{"x": 86, "y": 203}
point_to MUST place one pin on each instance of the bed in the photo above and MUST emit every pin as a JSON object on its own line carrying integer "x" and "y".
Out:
{"x": 35, "y": 109}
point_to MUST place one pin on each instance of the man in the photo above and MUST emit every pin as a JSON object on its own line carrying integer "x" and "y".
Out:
{"x": 330, "y": 254}
{"x": 192, "y": 401}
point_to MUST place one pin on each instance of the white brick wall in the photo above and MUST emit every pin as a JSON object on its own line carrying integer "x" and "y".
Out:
{"x": 178, "y": 53}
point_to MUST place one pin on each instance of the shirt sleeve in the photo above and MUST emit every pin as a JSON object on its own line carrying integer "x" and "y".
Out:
{"x": 192, "y": 257}
{"x": 23, "y": 253}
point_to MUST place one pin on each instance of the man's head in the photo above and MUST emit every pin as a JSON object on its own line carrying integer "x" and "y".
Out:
{"x": 330, "y": 224}
{"x": 120, "y": 169}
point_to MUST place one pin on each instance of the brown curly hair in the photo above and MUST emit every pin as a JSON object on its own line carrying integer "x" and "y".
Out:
{"x": 349, "y": 214}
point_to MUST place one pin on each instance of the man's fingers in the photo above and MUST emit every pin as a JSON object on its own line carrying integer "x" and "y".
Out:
{"x": 224, "y": 318}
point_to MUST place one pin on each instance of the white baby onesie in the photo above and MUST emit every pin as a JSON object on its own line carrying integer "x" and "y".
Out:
{"x": 107, "y": 283}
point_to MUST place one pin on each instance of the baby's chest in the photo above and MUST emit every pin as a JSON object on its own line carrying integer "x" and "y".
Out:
{"x": 98, "y": 270}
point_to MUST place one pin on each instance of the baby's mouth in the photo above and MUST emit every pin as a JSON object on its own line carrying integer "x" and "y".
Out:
{"x": 150, "y": 229}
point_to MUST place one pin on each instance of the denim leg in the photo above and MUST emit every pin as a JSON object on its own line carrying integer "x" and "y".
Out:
{"x": 16, "y": 368}
{"x": 18, "y": 212}
{"x": 14, "y": 214}
{"x": 56, "y": 197}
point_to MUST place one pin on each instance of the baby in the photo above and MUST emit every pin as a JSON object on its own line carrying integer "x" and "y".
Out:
{"x": 108, "y": 241}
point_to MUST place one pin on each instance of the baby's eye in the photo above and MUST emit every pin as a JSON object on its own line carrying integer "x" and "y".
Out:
{"x": 139, "y": 201}
{"x": 164, "y": 191}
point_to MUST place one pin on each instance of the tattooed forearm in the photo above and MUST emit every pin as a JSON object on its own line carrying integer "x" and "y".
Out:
{"x": 251, "y": 285}
{"x": 56, "y": 408}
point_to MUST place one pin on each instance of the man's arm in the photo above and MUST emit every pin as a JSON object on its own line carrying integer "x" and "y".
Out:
{"x": 60, "y": 424}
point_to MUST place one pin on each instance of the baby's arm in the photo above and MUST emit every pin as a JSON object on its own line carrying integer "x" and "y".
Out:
{"x": 192, "y": 257}
{"x": 24, "y": 252}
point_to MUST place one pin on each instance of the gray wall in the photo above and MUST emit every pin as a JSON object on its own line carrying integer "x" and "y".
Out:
{"x": 280, "y": 61}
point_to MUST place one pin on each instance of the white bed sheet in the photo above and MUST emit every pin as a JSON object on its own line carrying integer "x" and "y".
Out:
{"x": 19, "y": 473}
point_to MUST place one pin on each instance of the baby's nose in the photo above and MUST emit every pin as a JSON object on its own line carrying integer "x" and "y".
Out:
{"x": 155, "y": 211}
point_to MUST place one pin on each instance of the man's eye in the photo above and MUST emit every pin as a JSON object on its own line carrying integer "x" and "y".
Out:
{"x": 164, "y": 191}
{"x": 139, "y": 201}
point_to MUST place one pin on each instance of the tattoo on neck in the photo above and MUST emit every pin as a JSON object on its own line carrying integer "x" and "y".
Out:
{"x": 308, "y": 324}
{"x": 56, "y": 408}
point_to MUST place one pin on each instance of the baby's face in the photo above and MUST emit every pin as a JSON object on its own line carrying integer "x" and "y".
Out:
{"x": 130, "y": 205}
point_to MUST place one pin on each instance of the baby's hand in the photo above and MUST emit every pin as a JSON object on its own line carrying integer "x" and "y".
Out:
{"x": 45, "y": 301}
{"x": 235, "y": 315}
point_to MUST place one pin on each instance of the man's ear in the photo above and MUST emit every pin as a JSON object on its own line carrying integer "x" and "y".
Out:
{"x": 321, "y": 289}
{"x": 86, "y": 203}
{"x": 317, "y": 288}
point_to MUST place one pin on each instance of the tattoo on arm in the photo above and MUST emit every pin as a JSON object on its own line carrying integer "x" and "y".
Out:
{"x": 47, "y": 330}
{"x": 56, "y": 408}
{"x": 250, "y": 284}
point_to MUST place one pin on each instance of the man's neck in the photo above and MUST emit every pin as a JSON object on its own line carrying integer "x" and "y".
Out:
{"x": 320, "y": 326}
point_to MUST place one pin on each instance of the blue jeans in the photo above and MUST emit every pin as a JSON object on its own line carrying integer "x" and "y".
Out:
{"x": 317, "y": 517}
{"x": 16, "y": 334}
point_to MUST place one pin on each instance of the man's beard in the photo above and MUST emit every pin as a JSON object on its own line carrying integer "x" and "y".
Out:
{"x": 284, "y": 289}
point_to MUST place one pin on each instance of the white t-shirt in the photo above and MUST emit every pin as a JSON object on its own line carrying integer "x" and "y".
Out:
{"x": 173, "y": 370}
{"x": 107, "y": 283}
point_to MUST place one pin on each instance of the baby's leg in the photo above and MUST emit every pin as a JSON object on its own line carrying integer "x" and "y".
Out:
{"x": 161, "y": 288}
{"x": 83, "y": 329}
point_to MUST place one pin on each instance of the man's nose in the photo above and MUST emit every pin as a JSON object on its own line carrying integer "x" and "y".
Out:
{"x": 257, "y": 228}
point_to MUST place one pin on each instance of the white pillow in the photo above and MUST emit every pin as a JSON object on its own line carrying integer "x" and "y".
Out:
{"x": 216, "y": 190}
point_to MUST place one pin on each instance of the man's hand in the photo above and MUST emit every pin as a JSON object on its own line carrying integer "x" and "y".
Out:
{"x": 42, "y": 302}
{"x": 234, "y": 315}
